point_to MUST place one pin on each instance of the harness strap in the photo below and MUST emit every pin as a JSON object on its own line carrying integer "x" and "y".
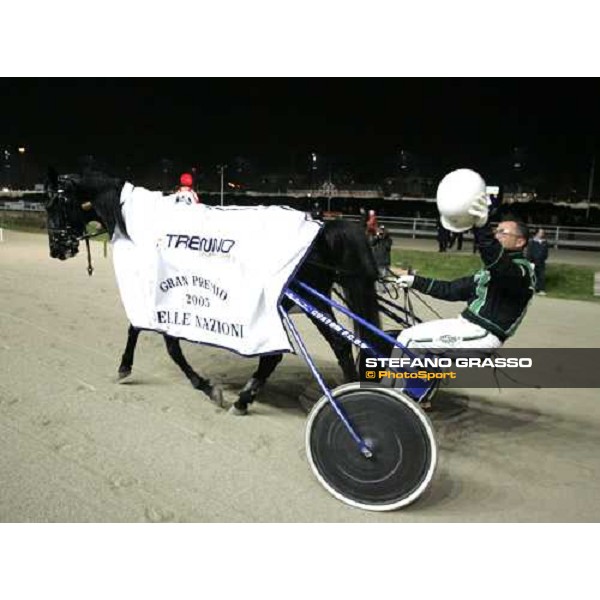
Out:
{"x": 420, "y": 298}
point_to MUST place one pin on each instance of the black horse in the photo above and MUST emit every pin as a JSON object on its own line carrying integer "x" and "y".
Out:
{"x": 340, "y": 255}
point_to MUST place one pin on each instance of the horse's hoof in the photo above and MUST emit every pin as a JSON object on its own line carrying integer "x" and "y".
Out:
{"x": 124, "y": 372}
{"x": 238, "y": 412}
{"x": 246, "y": 397}
{"x": 250, "y": 391}
{"x": 214, "y": 392}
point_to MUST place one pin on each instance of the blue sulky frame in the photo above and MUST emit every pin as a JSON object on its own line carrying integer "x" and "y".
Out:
{"x": 371, "y": 447}
{"x": 416, "y": 389}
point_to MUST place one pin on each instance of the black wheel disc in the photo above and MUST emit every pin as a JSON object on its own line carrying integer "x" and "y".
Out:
{"x": 399, "y": 436}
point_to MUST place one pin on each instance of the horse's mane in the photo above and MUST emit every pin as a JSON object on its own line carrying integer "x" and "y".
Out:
{"x": 104, "y": 192}
{"x": 349, "y": 249}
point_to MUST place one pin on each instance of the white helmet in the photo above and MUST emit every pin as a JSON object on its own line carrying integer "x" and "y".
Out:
{"x": 455, "y": 195}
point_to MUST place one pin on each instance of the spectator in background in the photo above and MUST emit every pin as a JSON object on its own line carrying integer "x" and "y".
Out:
{"x": 442, "y": 236}
{"x": 362, "y": 213}
{"x": 185, "y": 192}
{"x": 372, "y": 225}
{"x": 537, "y": 254}
{"x": 316, "y": 212}
{"x": 455, "y": 237}
{"x": 381, "y": 243}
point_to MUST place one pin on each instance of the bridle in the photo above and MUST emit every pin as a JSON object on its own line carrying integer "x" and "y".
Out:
{"x": 64, "y": 236}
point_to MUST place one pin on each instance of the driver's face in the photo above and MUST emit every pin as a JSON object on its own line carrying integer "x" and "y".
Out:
{"x": 506, "y": 233}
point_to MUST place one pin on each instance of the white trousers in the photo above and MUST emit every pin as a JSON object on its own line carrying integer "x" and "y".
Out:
{"x": 448, "y": 333}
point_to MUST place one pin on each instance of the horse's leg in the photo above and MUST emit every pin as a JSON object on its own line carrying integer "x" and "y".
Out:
{"x": 266, "y": 366}
{"x": 214, "y": 392}
{"x": 341, "y": 347}
{"x": 127, "y": 359}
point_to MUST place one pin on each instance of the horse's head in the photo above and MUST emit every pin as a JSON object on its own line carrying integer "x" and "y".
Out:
{"x": 65, "y": 215}
{"x": 72, "y": 201}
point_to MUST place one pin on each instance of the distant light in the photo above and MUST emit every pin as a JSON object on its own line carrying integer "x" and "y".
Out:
{"x": 5, "y": 189}
{"x": 314, "y": 157}
{"x": 21, "y": 150}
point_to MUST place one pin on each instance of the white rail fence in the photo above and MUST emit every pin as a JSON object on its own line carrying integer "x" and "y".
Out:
{"x": 558, "y": 236}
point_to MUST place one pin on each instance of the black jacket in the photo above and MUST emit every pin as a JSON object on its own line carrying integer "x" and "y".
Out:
{"x": 497, "y": 295}
{"x": 537, "y": 251}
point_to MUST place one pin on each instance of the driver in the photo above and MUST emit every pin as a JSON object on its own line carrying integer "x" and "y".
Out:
{"x": 497, "y": 295}
{"x": 185, "y": 192}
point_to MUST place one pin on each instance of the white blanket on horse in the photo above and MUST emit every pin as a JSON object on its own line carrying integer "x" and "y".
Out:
{"x": 209, "y": 274}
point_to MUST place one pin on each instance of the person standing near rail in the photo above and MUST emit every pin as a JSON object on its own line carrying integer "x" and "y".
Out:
{"x": 442, "y": 236}
{"x": 381, "y": 244}
{"x": 372, "y": 225}
{"x": 537, "y": 253}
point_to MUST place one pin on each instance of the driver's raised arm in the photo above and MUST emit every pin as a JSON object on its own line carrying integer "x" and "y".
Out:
{"x": 490, "y": 249}
{"x": 495, "y": 258}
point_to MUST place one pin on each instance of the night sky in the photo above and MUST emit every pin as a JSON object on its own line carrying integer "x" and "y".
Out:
{"x": 362, "y": 123}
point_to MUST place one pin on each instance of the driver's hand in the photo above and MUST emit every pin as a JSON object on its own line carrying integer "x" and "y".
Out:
{"x": 480, "y": 210}
{"x": 405, "y": 281}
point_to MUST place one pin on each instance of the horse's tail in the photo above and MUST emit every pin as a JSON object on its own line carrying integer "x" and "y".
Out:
{"x": 353, "y": 259}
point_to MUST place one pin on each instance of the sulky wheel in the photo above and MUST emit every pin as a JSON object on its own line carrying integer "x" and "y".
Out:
{"x": 396, "y": 430}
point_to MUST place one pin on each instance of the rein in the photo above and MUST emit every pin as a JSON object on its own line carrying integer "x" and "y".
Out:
{"x": 420, "y": 298}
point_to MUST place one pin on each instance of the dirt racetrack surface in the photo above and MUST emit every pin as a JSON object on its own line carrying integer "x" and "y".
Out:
{"x": 76, "y": 446}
